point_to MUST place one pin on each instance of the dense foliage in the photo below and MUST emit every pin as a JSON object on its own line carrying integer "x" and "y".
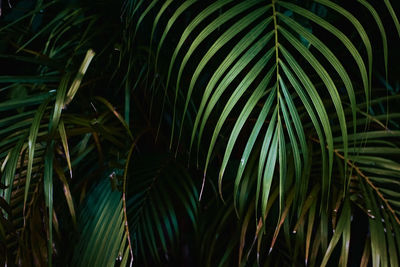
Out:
{"x": 199, "y": 133}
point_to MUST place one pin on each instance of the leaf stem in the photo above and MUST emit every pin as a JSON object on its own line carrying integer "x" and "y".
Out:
{"x": 361, "y": 174}
{"x": 276, "y": 47}
{"x": 124, "y": 191}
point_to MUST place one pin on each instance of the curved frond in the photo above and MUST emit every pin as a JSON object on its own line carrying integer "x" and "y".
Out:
{"x": 103, "y": 240}
{"x": 159, "y": 190}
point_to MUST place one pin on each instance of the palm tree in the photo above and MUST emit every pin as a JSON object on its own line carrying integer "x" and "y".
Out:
{"x": 199, "y": 133}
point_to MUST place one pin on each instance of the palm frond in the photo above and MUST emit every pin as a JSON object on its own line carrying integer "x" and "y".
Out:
{"x": 278, "y": 46}
{"x": 257, "y": 61}
{"x": 153, "y": 204}
{"x": 103, "y": 239}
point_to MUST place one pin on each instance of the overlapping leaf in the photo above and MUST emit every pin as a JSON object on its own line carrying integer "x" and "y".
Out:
{"x": 159, "y": 190}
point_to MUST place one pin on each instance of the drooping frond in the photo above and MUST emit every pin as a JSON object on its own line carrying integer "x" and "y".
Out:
{"x": 103, "y": 240}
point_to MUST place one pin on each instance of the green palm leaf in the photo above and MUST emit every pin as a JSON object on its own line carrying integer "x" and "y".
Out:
{"x": 152, "y": 212}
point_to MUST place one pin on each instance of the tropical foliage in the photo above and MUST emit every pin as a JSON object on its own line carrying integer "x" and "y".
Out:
{"x": 199, "y": 133}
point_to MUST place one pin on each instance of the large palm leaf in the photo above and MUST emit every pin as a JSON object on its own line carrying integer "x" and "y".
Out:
{"x": 287, "y": 70}
{"x": 298, "y": 77}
